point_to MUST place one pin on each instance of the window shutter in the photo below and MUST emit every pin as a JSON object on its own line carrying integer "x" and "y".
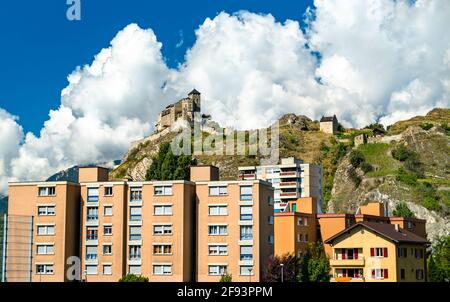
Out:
{"x": 355, "y": 253}
{"x": 385, "y": 252}
{"x": 344, "y": 256}
{"x": 372, "y": 252}
{"x": 386, "y": 273}
{"x": 344, "y": 271}
{"x": 373, "y": 274}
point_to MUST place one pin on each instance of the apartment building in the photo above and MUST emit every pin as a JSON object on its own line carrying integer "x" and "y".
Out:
{"x": 291, "y": 180}
{"x": 235, "y": 227}
{"x": 174, "y": 231}
{"x": 377, "y": 252}
{"x": 296, "y": 228}
{"x": 43, "y": 230}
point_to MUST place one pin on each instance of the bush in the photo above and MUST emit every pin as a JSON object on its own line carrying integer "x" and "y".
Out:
{"x": 402, "y": 210}
{"x": 446, "y": 127}
{"x": 226, "y": 278}
{"x": 426, "y": 126}
{"x": 354, "y": 177}
{"x": 406, "y": 177}
{"x": 315, "y": 265}
{"x": 400, "y": 153}
{"x": 366, "y": 167}
{"x": 133, "y": 278}
{"x": 431, "y": 203}
{"x": 438, "y": 261}
{"x": 356, "y": 159}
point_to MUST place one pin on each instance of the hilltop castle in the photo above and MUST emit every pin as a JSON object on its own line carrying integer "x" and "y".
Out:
{"x": 184, "y": 109}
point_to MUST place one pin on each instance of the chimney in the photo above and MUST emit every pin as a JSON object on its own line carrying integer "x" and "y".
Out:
{"x": 397, "y": 227}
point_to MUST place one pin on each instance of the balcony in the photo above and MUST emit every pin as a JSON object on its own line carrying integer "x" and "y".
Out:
{"x": 289, "y": 184}
{"x": 289, "y": 174}
{"x": 346, "y": 279}
{"x": 288, "y": 195}
{"x": 347, "y": 262}
{"x": 247, "y": 176}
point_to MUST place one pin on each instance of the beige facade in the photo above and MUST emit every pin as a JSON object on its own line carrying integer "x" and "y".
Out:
{"x": 51, "y": 208}
{"x": 157, "y": 229}
{"x": 235, "y": 232}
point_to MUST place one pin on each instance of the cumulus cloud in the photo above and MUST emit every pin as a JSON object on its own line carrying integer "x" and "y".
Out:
{"x": 11, "y": 135}
{"x": 361, "y": 60}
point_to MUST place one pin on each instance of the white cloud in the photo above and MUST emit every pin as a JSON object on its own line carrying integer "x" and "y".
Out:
{"x": 378, "y": 59}
{"x": 11, "y": 135}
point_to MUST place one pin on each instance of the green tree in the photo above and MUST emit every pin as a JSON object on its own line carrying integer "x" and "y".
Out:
{"x": 315, "y": 265}
{"x": 400, "y": 153}
{"x": 275, "y": 265}
{"x": 439, "y": 261}
{"x": 356, "y": 159}
{"x": 167, "y": 166}
{"x": 402, "y": 210}
{"x": 133, "y": 278}
{"x": 226, "y": 278}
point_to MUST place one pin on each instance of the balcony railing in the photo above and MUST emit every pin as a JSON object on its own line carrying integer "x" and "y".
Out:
{"x": 248, "y": 175}
{"x": 135, "y": 217}
{"x": 288, "y": 194}
{"x": 92, "y": 199}
{"x": 347, "y": 279}
{"x": 288, "y": 184}
{"x": 246, "y": 236}
{"x": 290, "y": 173}
{"x": 91, "y": 256}
{"x": 348, "y": 262}
{"x": 135, "y": 237}
{"x": 246, "y": 197}
{"x": 92, "y": 217}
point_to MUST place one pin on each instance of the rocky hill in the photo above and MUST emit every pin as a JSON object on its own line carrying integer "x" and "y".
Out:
{"x": 347, "y": 187}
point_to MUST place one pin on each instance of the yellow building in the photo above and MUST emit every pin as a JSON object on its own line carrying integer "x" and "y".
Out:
{"x": 375, "y": 252}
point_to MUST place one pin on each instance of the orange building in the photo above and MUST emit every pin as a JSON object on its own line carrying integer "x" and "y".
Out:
{"x": 175, "y": 231}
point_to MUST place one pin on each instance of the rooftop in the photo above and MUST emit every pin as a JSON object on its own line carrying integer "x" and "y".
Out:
{"x": 386, "y": 230}
{"x": 327, "y": 118}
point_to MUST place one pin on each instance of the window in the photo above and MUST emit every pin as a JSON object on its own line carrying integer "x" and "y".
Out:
{"x": 270, "y": 200}
{"x": 44, "y": 269}
{"x": 299, "y": 237}
{"x": 246, "y": 232}
{"x": 402, "y": 274}
{"x": 135, "y": 269}
{"x": 43, "y": 230}
{"x": 108, "y": 211}
{"x": 135, "y": 233}
{"x": 108, "y": 191}
{"x": 409, "y": 224}
{"x": 162, "y": 269}
{"x": 45, "y": 249}
{"x": 217, "y": 250}
{"x": 217, "y": 230}
{"x": 379, "y": 273}
{"x": 92, "y": 194}
{"x": 163, "y": 190}
{"x": 306, "y": 237}
{"x": 162, "y": 249}
{"x": 379, "y": 252}
{"x": 418, "y": 253}
{"x": 217, "y": 270}
{"x": 107, "y": 269}
{"x": 92, "y": 233}
{"x": 162, "y": 230}
{"x": 107, "y": 230}
{"x": 402, "y": 252}
{"x": 246, "y": 252}
{"x": 135, "y": 213}
{"x": 246, "y": 270}
{"x": 163, "y": 210}
{"x": 46, "y": 210}
{"x": 107, "y": 249}
{"x": 135, "y": 252}
{"x": 91, "y": 269}
{"x": 246, "y": 193}
{"x": 221, "y": 210}
{"x": 419, "y": 274}
{"x": 92, "y": 214}
{"x": 91, "y": 252}
{"x": 246, "y": 213}
{"x": 136, "y": 195}
{"x": 47, "y": 191}
{"x": 270, "y": 220}
{"x": 270, "y": 239}
{"x": 218, "y": 191}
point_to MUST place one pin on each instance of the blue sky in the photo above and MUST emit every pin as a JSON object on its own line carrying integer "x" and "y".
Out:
{"x": 40, "y": 47}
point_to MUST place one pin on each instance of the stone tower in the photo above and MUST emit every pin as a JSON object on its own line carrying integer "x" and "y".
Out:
{"x": 194, "y": 96}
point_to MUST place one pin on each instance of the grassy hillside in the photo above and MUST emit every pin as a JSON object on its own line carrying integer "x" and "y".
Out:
{"x": 436, "y": 117}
